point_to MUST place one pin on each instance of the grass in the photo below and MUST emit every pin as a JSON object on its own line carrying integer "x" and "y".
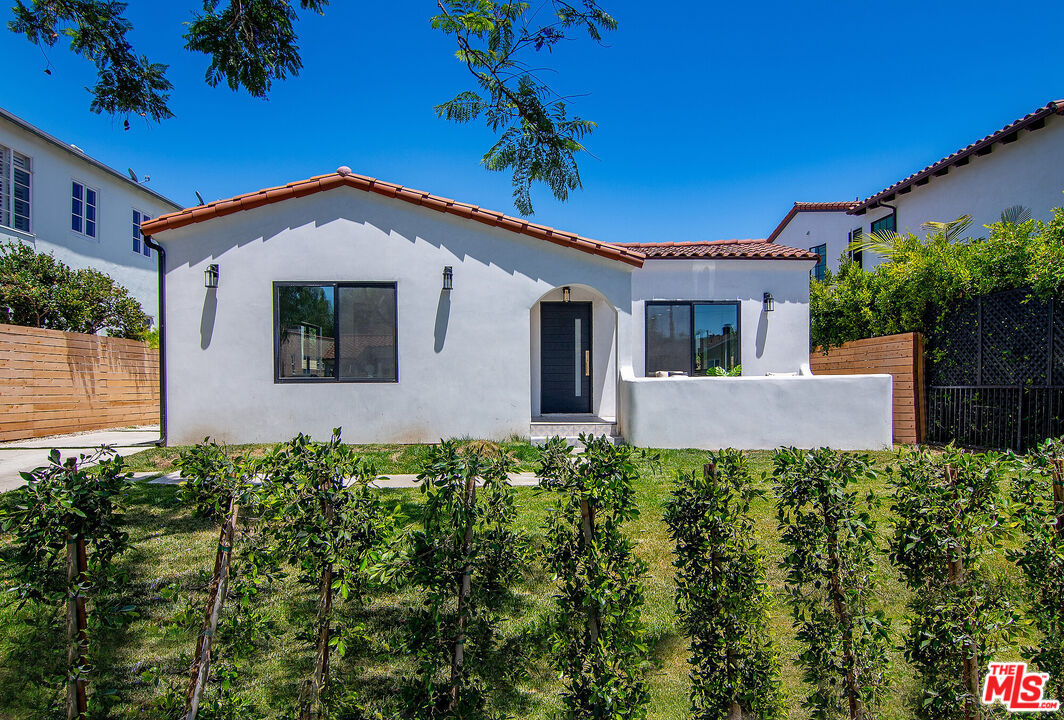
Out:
{"x": 172, "y": 552}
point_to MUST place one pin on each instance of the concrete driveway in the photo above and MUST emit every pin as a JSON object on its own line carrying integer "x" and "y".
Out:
{"x": 25, "y": 455}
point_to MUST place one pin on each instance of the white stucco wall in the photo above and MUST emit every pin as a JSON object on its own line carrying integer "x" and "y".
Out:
{"x": 465, "y": 358}
{"x": 1028, "y": 172}
{"x": 776, "y": 341}
{"x": 845, "y": 412}
{"x": 111, "y": 252}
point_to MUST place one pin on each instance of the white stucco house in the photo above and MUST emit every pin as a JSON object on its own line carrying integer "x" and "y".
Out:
{"x": 59, "y": 200}
{"x": 1020, "y": 164}
{"x": 401, "y": 316}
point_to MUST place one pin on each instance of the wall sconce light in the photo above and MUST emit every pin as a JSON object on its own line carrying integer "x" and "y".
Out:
{"x": 448, "y": 278}
{"x": 768, "y": 303}
{"x": 565, "y": 294}
{"x": 210, "y": 276}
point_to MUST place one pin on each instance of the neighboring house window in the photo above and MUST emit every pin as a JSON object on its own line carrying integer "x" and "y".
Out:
{"x": 139, "y": 246}
{"x": 885, "y": 223}
{"x": 857, "y": 256}
{"x": 344, "y": 332}
{"x": 692, "y": 337}
{"x": 15, "y": 173}
{"x": 821, "y": 261}
{"x": 83, "y": 201}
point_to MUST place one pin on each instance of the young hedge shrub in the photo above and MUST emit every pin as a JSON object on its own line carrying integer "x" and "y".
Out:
{"x": 67, "y": 529}
{"x": 465, "y": 561}
{"x": 598, "y": 637}
{"x": 1038, "y": 496}
{"x": 948, "y": 526}
{"x": 831, "y": 549}
{"x": 721, "y": 592}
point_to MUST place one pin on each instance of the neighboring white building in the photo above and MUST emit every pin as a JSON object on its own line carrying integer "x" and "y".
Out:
{"x": 1021, "y": 164}
{"x": 59, "y": 200}
{"x": 405, "y": 317}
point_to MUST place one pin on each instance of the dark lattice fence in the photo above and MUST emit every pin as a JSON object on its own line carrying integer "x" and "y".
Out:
{"x": 996, "y": 372}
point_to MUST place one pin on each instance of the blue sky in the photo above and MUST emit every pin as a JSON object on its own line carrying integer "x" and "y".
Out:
{"x": 713, "y": 117}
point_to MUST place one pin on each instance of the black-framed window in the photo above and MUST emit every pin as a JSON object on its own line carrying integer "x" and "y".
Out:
{"x": 855, "y": 254}
{"x": 692, "y": 336}
{"x": 821, "y": 261}
{"x": 338, "y": 332}
{"x": 887, "y": 223}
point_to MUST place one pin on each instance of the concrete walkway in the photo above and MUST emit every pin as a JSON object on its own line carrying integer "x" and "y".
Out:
{"x": 25, "y": 455}
{"x": 387, "y": 481}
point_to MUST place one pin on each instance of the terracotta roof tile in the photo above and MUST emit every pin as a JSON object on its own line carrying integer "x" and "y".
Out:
{"x": 845, "y": 206}
{"x": 721, "y": 250}
{"x": 1031, "y": 119}
{"x": 344, "y": 176}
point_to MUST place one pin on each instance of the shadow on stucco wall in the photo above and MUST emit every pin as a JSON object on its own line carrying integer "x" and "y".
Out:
{"x": 762, "y": 334}
{"x": 206, "y": 325}
{"x": 443, "y": 316}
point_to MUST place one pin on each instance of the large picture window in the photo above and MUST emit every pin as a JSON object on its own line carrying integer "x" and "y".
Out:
{"x": 342, "y": 332}
{"x": 692, "y": 337}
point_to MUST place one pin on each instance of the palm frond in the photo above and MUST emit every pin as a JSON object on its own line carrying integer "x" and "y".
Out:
{"x": 950, "y": 230}
{"x": 1015, "y": 215}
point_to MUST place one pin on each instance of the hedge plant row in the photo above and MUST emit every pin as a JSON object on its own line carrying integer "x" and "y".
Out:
{"x": 311, "y": 508}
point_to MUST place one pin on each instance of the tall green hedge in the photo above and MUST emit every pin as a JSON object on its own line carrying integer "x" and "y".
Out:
{"x": 900, "y": 294}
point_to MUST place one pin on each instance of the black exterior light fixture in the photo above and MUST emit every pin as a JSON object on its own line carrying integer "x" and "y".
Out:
{"x": 210, "y": 276}
{"x": 448, "y": 278}
{"x": 768, "y": 303}
{"x": 565, "y": 294}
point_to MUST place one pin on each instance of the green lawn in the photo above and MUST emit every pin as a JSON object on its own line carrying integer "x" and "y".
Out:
{"x": 172, "y": 552}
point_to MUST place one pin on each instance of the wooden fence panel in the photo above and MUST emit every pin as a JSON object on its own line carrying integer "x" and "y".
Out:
{"x": 54, "y": 382}
{"x": 901, "y": 356}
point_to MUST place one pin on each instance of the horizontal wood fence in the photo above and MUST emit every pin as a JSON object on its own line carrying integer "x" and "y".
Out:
{"x": 54, "y": 382}
{"x": 901, "y": 356}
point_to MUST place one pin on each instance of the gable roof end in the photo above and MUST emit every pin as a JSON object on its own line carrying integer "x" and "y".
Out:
{"x": 1034, "y": 121}
{"x": 810, "y": 207}
{"x": 343, "y": 177}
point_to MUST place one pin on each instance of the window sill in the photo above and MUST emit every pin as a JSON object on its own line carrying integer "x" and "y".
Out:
{"x": 20, "y": 234}
{"x": 330, "y": 381}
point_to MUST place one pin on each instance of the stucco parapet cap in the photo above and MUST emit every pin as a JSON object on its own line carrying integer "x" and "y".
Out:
{"x": 344, "y": 176}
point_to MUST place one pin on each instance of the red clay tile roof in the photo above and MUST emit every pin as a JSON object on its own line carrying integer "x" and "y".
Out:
{"x": 721, "y": 250}
{"x": 344, "y": 177}
{"x": 810, "y": 207}
{"x": 1034, "y": 121}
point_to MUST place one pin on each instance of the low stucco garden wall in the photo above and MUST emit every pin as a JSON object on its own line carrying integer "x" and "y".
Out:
{"x": 757, "y": 413}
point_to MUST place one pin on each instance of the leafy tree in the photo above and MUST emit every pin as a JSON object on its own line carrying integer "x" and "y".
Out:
{"x": 465, "y": 560}
{"x": 920, "y": 274}
{"x": 721, "y": 593}
{"x": 598, "y": 636}
{"x": 252, "y": 43}
{"x": 830, "y": 542}
{"x": 37, "y": 290}
{"x": 949, "y": 528}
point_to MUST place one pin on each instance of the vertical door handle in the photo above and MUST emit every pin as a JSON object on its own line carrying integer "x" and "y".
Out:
{"x": 587, "y": 362}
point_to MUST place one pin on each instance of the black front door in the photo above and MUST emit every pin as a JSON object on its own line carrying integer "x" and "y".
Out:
{"x": 565, "y": 357}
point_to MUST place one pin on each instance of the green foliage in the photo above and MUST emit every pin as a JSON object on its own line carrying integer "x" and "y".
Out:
{"x": 718, "y": 371}
{"x": 721, "y": 593}
{"x": 921, "y": 273}
{"x": 250, "y": 43}
{"x": 465, "y": 560}
{"x": 497, "y": 41}
{"x": 97, "y": 31}
{"x": 36, "y": 290}
{"x": 830, "y": 541}
{"x": 1038, "y": 495}
{"x": 949, "y": 526}
{"x": 598, "y": 637}
{"x": 211, "y": 476}
{"x": 67, "y": 499}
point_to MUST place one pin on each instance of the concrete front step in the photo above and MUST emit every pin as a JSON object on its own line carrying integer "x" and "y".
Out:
{"x": 571, "y": 429}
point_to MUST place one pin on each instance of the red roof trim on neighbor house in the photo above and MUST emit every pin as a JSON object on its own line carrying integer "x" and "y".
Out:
{"x": 1033, "y": 121}
{"x": 344, "y": 177}
{"x": 810, "y": 207}
{"x": 721, "y": 250}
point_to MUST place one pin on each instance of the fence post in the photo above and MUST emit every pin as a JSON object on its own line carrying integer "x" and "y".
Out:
{"x": 1019, "y": 418}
